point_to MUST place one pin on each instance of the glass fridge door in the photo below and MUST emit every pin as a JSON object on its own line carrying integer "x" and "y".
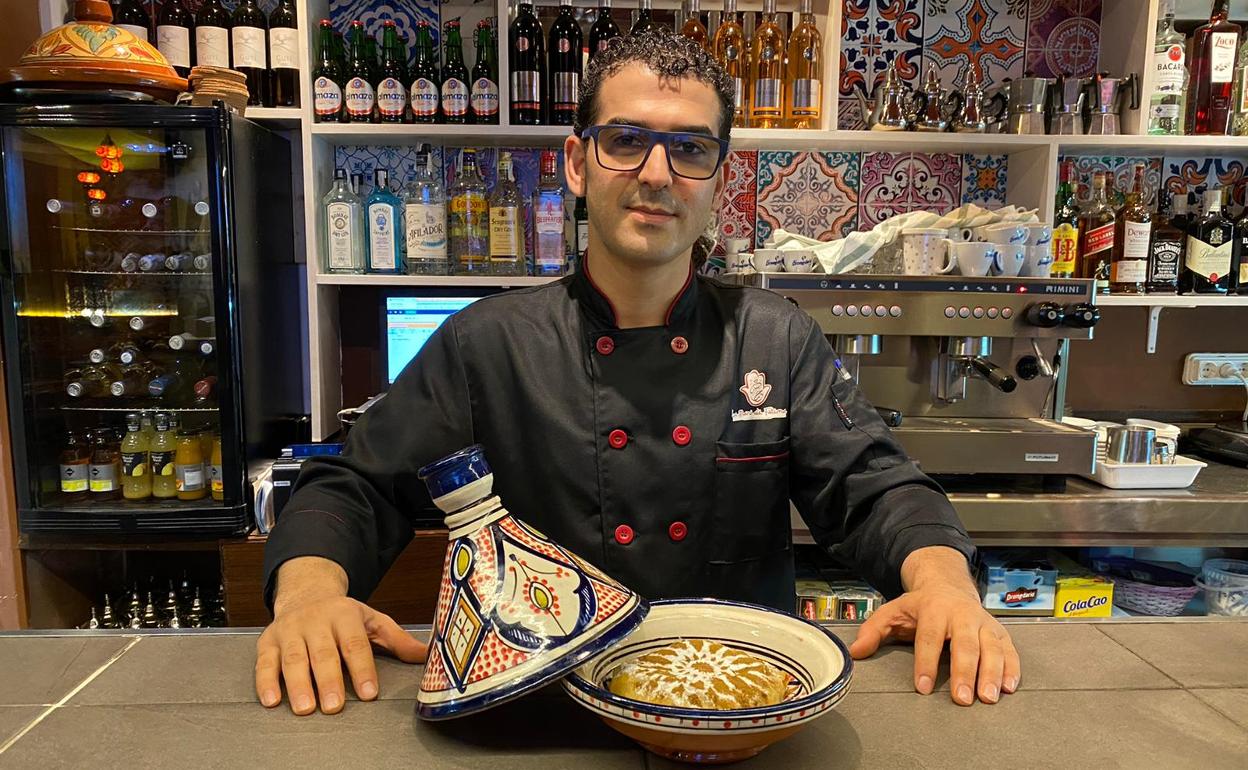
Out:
{"x": 111, "y": 253}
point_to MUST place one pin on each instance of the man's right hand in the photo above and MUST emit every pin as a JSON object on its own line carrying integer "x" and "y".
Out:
{"x": 316, "y": 627}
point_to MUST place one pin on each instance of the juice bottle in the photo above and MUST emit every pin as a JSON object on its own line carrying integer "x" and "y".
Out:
{"x": 189, "y": 467}
{"x": 163, "y": 447}
{"x": 105, "y": 468}
{"x": 147, "y": 428}
{"x": 215, "y": 477}
{"x": 136, "y": 480}
{"x": 75, "y": 464}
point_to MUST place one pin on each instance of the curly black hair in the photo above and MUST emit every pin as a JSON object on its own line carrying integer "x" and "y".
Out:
{"x": 667, "y": 53}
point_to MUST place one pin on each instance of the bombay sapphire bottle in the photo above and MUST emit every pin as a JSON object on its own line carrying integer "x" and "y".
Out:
{"x": 383, "y": 212}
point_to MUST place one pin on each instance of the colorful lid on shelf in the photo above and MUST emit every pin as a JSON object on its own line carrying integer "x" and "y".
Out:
{"x": 515, "y": 610}
{"x": 91, "y": 53}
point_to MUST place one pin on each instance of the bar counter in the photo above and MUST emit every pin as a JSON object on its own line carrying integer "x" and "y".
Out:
{"x": 1107, "y": 694}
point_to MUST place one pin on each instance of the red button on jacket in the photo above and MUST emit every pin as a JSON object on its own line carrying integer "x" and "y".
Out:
{"x": 682, "y": 435}
{"x": 623, "y": 534}
{"x": 680, "y": 345}
{"x": 605, "y": 345}
{"x": 677, "y": 531}
{"x": 617, "y": 438}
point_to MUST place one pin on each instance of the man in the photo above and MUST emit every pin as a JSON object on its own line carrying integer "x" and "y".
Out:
{"x": 654, "y": 422}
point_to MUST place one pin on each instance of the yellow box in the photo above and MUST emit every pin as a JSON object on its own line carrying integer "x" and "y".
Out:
{"x": 1083, "y": 596}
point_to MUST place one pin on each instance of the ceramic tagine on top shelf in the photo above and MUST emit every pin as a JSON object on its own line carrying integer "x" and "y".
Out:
{"x": 515, "y": 611}
{"x": 91, "y": 54}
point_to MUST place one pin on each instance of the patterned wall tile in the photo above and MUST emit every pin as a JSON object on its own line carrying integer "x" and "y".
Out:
{"x": 739, "y": 207}
{"x": 812, "y": 193}
{"x": 983, "y": 180}
{"x": 873, "y": 34}
{"x": 1063, "y": 37}
{"x": 894, "y": 183}
{"x": 960, "y": 33}
{"x": 1123, "y": 169}
{"x": 404, "y": 13}
{"x": 1197, "y": 174}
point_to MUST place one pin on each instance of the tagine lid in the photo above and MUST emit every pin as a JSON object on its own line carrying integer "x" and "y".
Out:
{"x": 90, "y": 52}
{"x": 516, "y": 611}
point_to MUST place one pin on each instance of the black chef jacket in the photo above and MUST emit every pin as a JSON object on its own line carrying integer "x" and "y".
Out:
{"x": 666, "y": 455}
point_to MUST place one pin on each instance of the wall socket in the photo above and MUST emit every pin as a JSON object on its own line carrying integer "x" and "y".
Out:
{"x": 1207, "y": 368}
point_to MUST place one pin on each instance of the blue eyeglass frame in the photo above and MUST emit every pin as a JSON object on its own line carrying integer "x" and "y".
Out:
{"x": 654, "y": 137}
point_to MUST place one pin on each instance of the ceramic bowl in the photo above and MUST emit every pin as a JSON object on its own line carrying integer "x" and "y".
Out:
{"x": 818, "y": 665}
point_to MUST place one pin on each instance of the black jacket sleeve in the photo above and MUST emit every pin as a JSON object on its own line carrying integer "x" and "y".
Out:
{"x": 859, "y": 493}
{"x": 353, "y": 509}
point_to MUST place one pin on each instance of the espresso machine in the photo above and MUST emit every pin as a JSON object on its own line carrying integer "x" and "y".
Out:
{"x": 968, "y": 368}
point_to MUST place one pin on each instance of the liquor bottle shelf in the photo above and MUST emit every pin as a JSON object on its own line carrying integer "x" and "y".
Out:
{"x": 352, "y": 279}
{"x": 115, "y": 231}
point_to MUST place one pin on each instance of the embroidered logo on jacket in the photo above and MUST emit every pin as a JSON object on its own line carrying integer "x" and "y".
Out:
{"x": 755, "y": 389}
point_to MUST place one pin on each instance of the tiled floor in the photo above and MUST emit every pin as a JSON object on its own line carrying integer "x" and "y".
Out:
{"x": 1094, "y": 694}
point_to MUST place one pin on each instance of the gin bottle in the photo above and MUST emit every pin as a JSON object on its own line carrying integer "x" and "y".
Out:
{"x": 424, "y": 215}
{"x": 551, "y": 256}
{"x": 384, "y": 214}
{"x": 470, "y": 219}
{"x": 1165, "y": 108}
{"x": 506, "y": 223}
{"x": 343, "y": 249}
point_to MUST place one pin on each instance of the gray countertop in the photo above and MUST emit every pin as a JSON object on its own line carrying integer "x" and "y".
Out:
{"x": 1107, "y": 694}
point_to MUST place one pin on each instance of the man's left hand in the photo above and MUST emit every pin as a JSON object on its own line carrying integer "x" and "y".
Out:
{"x": 942, "y": 604}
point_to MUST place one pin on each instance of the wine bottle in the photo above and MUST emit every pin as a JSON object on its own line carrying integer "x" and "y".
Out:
{"x": 173, "y": 35}
{"x": 130, "y": 16}
{"x": 564, "y": 66}
{"x": 212, "y": 35}
{"x": 283, "y": 56}
{"x": 248, "y": 49}
{"x": 528, "y": 67}
{"x": 603, "y": 30}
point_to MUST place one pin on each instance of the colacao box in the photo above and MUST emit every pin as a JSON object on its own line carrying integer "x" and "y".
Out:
{"x": 1017, "y": 583}
{"x": 1083, "y": 596}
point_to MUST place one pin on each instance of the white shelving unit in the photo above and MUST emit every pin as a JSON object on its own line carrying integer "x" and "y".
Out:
{"x": 1126, "y": 46}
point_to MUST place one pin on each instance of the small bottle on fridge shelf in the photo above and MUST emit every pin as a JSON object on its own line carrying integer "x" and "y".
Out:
{"x": 484, "y": 99}
{"x": 767, "y": 86}
{"x": 90, "y": 382}
{"x": 804, "y": 95}
{"x": 383, "y": 213}
{"x": 136, "y": 477}
{"x": 173, "y": 35}
{"x": 1210, "y": 241}
{"x": 344, "y": 227}
{"x": 1212, "y": 50}
{"x": 564, "y": 65}
{"x": 163, "y": 446}
{"x": 1129, "y": 269}
{"x": 190, "y": 479}
{"x": 424, "y": 217}
{"x": 249, "y": 49}
{"x": 133, "y": 380}
{"x": 469, "y": 219}
{"x": 360, "y": 97}
{"x": 693, "y": 27}
{"x": 205, "y": 389}
{"x": 212, "y": 35}
{"x": 730, "y": 49}
{"x": 391, "y": 88}
{"x": 216, "y": 478}
{"x": 130, "y": 16}
{"x": 327, "y": 80}
{"x": 284, "y": 55}
{"x": 425, "y": 93}
{"x": 1165, "y": 251}
{"x": 1097, "y": 225}
{"x": 75, "y": 462}
{"x": 105, "y": 466}
{"x": 506, "y": 222}
{"x": 550, "y": 253}
{"x": 455, "y": 91}
{"x": 1166, "y": 108}
{"x": 603, "y": 30}
{"x": 528, "y": 67}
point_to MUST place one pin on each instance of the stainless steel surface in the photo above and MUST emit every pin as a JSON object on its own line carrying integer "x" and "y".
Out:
{"x": 1067, "y": 117}
{"x": 935, "y": 106}
{"x": 996, "y": 446}
{"x": 976, "y": 112}
{"x": 1131, "y": 444}
{"x": 895, "y": 103}
{"x": 970, "y": 346}
{"x": 1027, "y": 99}
{"x": 858, "y": 344}
{"x": 1106, "y": 98}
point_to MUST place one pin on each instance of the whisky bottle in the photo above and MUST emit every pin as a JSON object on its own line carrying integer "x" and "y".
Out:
{"x": 804, "y": 97}
{"x": 1066, "y": 226}
{"x": 1239, "y": 273}
{"x": 692, "y": 28}
{"x": 730, "y": 50}
{"x": 1129, "y": 269}
{"x": 1097, "y": 225}
{"x": 1165, "y": 251}
{"x": 767, "y": 71}
{"x": 1212, "y": 50}
{"x": 1207, "y": 263}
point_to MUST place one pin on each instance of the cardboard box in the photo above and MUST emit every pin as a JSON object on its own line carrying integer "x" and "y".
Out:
{"x": 1080, "y": 592}
{"x": 815, "y": 600}
{"x": 1014, "y": 583}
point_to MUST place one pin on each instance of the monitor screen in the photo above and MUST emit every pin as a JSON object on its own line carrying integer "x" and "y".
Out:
{"x": 410, "y": 322}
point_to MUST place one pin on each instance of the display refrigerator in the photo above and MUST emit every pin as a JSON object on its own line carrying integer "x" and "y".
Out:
{"x": 151, "y": 314}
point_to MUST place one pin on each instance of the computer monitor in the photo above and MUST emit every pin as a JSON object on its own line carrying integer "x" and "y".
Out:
{"x": 409, "y": 320}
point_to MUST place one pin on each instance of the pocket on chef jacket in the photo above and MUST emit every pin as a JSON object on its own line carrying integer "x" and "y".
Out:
{"x": 751, "y": 513}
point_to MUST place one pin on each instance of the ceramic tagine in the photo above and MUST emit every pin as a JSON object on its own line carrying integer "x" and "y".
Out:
{"x": 515, "y": 611}
{"x": 89, "y": 53}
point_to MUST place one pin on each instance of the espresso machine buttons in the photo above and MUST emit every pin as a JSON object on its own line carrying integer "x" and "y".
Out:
{"x": 881, "y": 311}
{"x": 1007, "y": 313}
{"x": 866, "y": 311}
{"x": 1045, "y": 314}
{"x": 1082, "y": 316}
{"x": 951, "y": 311}
{"x": 838, "y": 310}
{"x": 993, "y": 312}
{"x": 964, "y": 312}
{"x": 978, "y": 312}
{"x": 895, "y": 311}
{"x": 852, "y": 311}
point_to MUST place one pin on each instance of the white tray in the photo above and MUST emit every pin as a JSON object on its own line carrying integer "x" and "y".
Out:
{"x": 1178, "y": 475}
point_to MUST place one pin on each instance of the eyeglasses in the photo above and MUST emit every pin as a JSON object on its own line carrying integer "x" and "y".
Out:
{"x": 627, "y": 148}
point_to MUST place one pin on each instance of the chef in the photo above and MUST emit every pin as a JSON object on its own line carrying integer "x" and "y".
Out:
{"x": 654, "y": 421}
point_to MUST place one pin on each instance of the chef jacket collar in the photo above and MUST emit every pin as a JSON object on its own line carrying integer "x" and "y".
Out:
{"x": 598, "y": 306}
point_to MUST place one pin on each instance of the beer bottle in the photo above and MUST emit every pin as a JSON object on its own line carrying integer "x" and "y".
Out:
{"x": 391, "y": 92}
{"x": 327, "y": 79}
{"x": 425, "y": 92}
{"x": 454, "y": 77}
{"x": 484, "y": 100}
{"x": 361, "y": 98}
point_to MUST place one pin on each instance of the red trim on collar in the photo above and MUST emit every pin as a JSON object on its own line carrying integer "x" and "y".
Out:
{"x": 667, "y": 319}
{"x": 615, "y": 317}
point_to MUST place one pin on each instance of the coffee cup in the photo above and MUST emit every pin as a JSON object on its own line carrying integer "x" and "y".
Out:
{"x": 923, "y": 250}
{"x": 1004, "y": 232}
{"x": 798, "y": 260}
{"x": 1021, "y": 580}
{"x": 971, "y": 258}
{"x": 739, "y": 262}
{"x": 769, "y": 260}
{"x": 1013, "y": 257}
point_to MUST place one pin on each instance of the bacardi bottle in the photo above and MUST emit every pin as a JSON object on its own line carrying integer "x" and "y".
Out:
{"x": 1166, "y": 108}
{"x": 1210, "y": 242}
{"x": 564, "y": 65}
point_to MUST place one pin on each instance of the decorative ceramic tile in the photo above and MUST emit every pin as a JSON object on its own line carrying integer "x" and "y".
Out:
{"x": 875, "y": 33}
{"x": 894, "y": 183}
{"x": 398, "y": 161}
{"x": 1064, "y": 37}
{"x": 1123, "y": 169}
{"x": 404, "y": 13}
{"x": 983, "y": 180}
{"x": 812, "y": 193}
{"x": 960, "y": 33}
{"x": 1184, "y": 175}
{"x": 738, "y": 209}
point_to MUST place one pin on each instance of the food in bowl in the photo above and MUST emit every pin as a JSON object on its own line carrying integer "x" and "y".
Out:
{"x": 700, "y": 673}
